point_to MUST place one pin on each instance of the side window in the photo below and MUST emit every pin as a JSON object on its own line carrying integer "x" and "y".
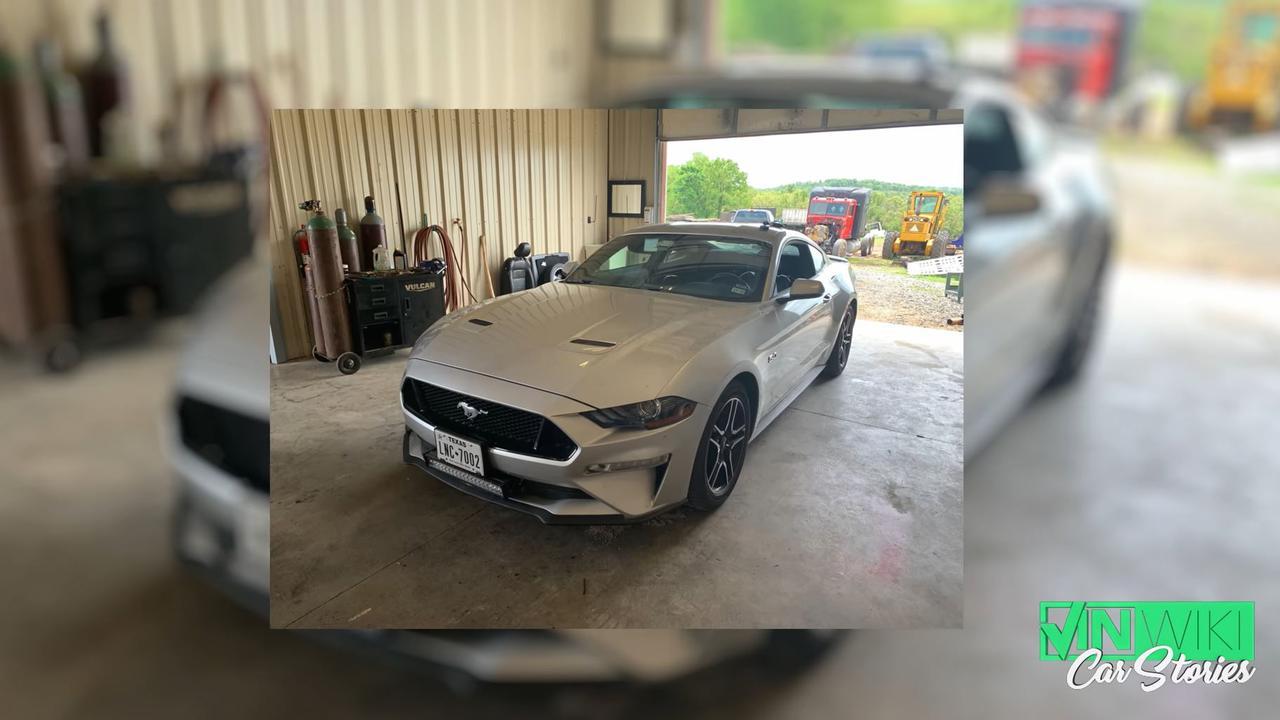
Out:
{"x": 794, "y": 262}
{"x": 1033, "y": 137}
{"x": 819, "y": 259}
{"x": 990, "y": 146}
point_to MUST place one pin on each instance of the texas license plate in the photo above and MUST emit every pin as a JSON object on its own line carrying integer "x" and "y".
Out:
{"x": 459, "y": 453}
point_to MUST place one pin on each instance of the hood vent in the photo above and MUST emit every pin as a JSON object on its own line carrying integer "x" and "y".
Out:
{"x": 478, "y": 321}
{"x": 592, "y": 343}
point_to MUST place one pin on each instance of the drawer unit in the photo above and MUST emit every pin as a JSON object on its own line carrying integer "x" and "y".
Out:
{"x": 391, "y": 309}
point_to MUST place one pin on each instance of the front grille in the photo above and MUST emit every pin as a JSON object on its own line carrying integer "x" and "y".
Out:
{"x": 237, "y": 444}
{"x": 500, "y": 426}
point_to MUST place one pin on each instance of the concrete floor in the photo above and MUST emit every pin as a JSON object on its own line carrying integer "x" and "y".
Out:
{"x": 847, "y": 514}
{"x": 1151, "y": 478}
{"x": 1136, "y": 482}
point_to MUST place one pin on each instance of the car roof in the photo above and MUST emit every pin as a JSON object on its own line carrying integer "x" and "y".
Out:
{"x": 746, "y": 231}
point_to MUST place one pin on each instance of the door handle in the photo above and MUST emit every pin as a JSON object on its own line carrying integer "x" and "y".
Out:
{"x": 826, "y": 298}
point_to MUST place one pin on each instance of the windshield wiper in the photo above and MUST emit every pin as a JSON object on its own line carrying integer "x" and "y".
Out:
{"x": 579, "y": 282}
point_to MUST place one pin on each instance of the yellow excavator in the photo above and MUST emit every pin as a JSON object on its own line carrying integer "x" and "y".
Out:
{"x": 921, "y": 232}
{"x": 1243, "y": 81}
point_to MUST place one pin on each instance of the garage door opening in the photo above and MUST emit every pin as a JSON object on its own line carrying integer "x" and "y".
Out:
{"x": 882, "y": 197}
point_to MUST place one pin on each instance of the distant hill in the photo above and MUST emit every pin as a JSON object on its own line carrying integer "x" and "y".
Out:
{"x": 806, "y": 186}
{"x": 888, "y": 200}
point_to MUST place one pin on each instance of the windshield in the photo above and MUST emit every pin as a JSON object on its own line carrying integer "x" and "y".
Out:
{"x": 926, "y": 204}
{"x": 751, "y": 216}
{"x": 704, "y": 266}
{"x": 1261, "y": 28}
{"x": 818, "y": 207}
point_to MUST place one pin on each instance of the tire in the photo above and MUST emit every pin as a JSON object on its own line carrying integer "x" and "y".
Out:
{"x": 713, "y": 478}
{"x": 348, "y": 363}
{"x": 886, "y": 251}
{"x": 1075, "y": 347}
{"x": 839, "y": 356}
{"x": 939, "y": 247}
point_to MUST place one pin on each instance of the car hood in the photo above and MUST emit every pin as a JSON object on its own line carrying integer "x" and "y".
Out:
{"x": 224, "y": 361}
{"x": 601, "y": 346}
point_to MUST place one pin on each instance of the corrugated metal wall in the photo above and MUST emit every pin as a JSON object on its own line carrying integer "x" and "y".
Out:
{"x": 632, "y": 156}
{"x": 334, "y": 53}
{"x": 509, "y": 175}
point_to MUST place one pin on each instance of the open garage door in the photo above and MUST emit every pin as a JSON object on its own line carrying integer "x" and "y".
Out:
{"x": 684, "y": 124}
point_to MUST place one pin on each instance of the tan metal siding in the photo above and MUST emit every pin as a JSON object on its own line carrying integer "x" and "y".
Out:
{"x": 632, "y": 156}
{"x": 511, "y": 175}
{"x": 334, "y": 53}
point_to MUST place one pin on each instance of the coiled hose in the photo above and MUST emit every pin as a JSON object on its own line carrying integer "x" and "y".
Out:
{"x": 455, "y": 278}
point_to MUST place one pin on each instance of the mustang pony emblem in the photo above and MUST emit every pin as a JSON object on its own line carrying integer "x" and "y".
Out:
{"x": 471, "y": 413}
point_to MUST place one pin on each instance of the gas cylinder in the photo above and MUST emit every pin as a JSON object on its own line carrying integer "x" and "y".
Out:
{"x": 300, "y": 248}
{"x": 313, "y": 310}
{"x": 372, "y": 233}
{"x": 106, "y": 85}
{"x": 327, "y": 281}
{"x": 347, "y": 242}
{"x": 65, "y": 104}
{"x": 34, "y": 296}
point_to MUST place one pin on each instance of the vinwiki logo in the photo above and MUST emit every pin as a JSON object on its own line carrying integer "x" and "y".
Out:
{"x": 1182, "y": 642}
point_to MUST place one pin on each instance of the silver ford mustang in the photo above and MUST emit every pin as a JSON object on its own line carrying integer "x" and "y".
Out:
{"x": 634, "y": 385}
{"x": 218, "y": 440}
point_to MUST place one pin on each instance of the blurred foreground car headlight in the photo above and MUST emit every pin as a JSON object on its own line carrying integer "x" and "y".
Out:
{"x": 647, "y": 415}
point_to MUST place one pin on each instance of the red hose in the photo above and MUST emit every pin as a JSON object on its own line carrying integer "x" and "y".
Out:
{"x": 455, "y": 280}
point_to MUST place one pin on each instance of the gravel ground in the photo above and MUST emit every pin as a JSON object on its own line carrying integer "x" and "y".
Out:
{"x": 894, "y": 298}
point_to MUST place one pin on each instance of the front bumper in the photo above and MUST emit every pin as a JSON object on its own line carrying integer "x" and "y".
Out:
{"x": 560, "y": 491}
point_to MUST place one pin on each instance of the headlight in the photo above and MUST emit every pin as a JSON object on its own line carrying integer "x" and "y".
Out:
{"x": 647, "y": 415}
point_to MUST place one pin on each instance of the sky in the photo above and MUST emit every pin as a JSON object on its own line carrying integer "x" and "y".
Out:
{"x": 929, "y": 155}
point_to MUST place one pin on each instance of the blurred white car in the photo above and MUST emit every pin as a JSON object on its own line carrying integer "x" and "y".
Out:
{"x": 217, "y": 437}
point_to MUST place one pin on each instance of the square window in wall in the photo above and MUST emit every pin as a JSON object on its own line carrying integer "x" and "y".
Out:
{"x": 626, "y": 198}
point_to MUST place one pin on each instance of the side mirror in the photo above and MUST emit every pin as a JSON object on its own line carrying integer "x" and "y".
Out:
{"x": 803, "y": 289}
{"x": 1009, "y": 197}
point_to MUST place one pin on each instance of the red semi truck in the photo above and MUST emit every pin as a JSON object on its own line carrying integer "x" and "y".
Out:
{"x": 1082, "y": 44}
{"x": 842, "y": 209}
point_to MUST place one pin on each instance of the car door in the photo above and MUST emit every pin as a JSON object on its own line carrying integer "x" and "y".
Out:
{"x": 819, "y": 323}
{"x": 1016, "y": 259}
{"x": 794, "y": 326}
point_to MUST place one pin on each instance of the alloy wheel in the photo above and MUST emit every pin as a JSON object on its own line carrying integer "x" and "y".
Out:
{"x": 846, "y": 339}
{"x": 726, "y": 446}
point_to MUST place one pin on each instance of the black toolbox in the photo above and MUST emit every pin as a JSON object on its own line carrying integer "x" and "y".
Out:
{"x": 389, "y": 310}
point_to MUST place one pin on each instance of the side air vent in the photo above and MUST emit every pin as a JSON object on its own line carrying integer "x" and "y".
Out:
{"x": 592, "y": 343}
{"x": 478, "y": 321}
